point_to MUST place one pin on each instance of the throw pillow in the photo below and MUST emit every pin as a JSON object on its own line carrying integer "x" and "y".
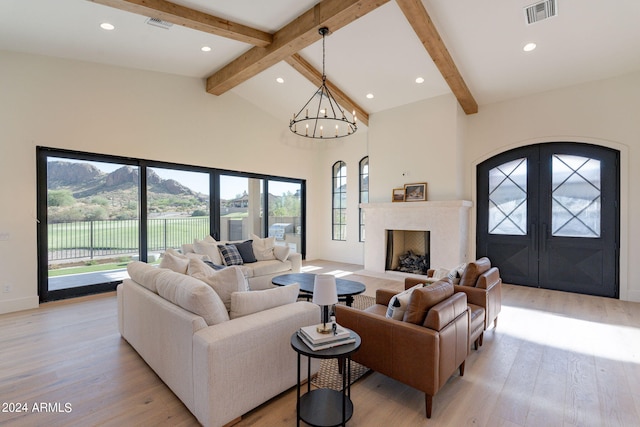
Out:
{"x": 224, "y": 282}
{"x": 214, "y": 266}
{"x": 399, "y": 302}
{"x": 192, "y": 295}
{"x": 245, "y": 303}
{"x": 281, "y": 252}
{"x": 174, "y": 261}
{"x": 246, "y": 251}
{"x": 145, "y": 274}
{"x": 230, "y": 255}
{"x": 263, "y": 248}
{"x": 423, "y": 299}
{"x": 207, "y": 248}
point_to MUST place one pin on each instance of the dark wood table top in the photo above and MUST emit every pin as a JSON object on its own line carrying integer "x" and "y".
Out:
{"x": 344, "y": 287}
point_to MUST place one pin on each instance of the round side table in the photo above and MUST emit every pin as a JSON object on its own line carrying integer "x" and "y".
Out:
{"x": 325, "y": 407}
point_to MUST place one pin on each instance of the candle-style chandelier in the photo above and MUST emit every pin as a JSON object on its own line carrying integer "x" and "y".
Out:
{"x": 327, "y": 119}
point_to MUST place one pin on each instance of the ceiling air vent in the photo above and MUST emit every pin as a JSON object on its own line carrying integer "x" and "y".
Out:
{"x": 159, "y": 23}
{"x": 541, "y": 10}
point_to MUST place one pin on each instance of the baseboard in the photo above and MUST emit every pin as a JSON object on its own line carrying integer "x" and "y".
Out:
{"x": 19, "y": 304}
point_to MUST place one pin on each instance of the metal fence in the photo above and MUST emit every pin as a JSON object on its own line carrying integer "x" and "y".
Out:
{"x": 91, "y": 239}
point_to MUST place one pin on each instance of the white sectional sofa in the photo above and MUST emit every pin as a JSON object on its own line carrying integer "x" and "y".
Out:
{"x": 220, "y": 365}
{"x": 270, "y": 259}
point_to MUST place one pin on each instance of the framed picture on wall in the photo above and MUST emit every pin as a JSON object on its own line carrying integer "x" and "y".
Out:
{"x": 415, "y": 192}
{"x": 398, "y": 195}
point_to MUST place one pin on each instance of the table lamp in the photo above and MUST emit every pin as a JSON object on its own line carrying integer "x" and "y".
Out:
{"x": 325, "y": 294}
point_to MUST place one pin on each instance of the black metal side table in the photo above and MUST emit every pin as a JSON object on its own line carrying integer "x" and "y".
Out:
{"x": 325, "y": 407}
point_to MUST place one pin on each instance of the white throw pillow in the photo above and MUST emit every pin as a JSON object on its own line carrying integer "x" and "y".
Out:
{"x": 245, "y": 303}
{"x": 204, "y": 247}
{"x": 224, "y": 282}
{"x": 192, "y": 295}
{"x": 263, "y": 248}
{"x": 174, "y": 261}
{"x": 282, "y": 252}
{"x": 399, "y": 302}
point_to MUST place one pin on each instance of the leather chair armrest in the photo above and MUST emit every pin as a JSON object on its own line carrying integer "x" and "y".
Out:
{"x": 488, "y": 279}
{"x": 383, "y": 296}
{"x": 475, "y": 296}
{"x": 445, "y": 312}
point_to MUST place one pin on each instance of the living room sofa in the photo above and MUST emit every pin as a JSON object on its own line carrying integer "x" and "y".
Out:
{"x": 423, "y": 346}
{"x": 220, "y": 364}
{"x": 269, "y": 260}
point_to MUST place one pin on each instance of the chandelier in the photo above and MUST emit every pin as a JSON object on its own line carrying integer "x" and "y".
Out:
{"x": 327, "y": 119}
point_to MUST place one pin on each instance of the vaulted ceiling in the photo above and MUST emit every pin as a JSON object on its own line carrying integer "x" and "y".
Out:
{"x": 470, "y": 48}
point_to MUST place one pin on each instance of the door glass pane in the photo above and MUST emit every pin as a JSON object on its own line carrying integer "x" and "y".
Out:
{"x": 575, "y": 196}
{"x": 240, "y": 207}
{"x": 177, "y": 208}
{"x": 508, "y": 198}
{"x": 285, "y": 214}
{"x": 92, "y": 221}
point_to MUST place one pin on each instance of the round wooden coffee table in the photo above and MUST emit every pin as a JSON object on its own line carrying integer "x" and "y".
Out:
{"x": 346, "y": 288}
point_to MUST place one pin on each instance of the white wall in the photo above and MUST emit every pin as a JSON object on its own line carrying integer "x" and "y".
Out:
{"x": 99, "y": 109}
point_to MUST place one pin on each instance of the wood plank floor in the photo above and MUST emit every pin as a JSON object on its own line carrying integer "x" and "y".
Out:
{"x": 556, "y": 359}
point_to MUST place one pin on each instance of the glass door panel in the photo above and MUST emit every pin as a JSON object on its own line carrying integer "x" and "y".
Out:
{"x": 177, "y": 209}
{"x": 92, "y": 223}
{"x": 240, "y": 207}
{"x": 285, "y": 213}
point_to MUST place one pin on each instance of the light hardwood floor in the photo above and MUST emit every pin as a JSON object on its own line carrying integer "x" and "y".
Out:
{"x": 556, "y": 359}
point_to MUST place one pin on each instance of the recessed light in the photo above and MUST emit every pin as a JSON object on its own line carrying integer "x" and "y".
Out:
{"x": 419, "y": 80}
{"x": 369, "y": 96}
{"x": 529, "y": 47}
{"x": 107, "y": 26}
{"x": 280, "y": 80}
{"x": 205, "y": 49}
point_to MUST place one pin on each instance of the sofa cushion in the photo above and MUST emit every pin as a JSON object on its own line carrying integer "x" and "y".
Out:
{"x": 281, "y": 252}
{"x": 246, "y": 251}
{"x": 145, "y": 274}
{"x": 210, "y": 249}
{"x": 174, "y": 261}
{"x": 474, "y": 270}
{"x": 192, "y": 295}
{"x": 264, "y": 268}
{"x": 224, "y": 282}
{"x": 230, "y": 255}
{"x": 263, "y": 248}
{"x": 398, "y": 303}
{"x": 245, "y": 303}
{"x": 424, "y": 298}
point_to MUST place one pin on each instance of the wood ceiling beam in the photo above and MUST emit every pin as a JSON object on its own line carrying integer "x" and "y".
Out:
{"x": 314, "y": 76}
{"x": 426, "y": 31}
{"x": 193, "y": 19}
{"x": 293, "y": 37}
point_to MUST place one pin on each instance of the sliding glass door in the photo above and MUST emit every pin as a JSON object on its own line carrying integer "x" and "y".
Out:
{"x": 92, "y": 218}
{"x": 97, "y": 213}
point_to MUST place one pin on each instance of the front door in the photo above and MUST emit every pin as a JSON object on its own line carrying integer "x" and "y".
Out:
{"x": 548, "y": 216}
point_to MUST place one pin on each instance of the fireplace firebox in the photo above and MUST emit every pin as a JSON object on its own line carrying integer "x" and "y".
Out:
{"x": 408, "y": 251}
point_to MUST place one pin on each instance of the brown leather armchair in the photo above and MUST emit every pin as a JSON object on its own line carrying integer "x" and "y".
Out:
{"x": 425, "y": 348}
{"x": 482, "y": 284}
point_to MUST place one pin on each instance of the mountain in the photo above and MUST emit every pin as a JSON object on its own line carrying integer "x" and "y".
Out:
{"x": 114, "y": 195}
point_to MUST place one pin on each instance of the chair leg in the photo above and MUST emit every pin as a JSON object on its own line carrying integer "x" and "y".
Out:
{"x": 495, "y": 322}
{"x": 480, "y": 340}
{"x": 462, "y": 368}
{"x": 428, "y": 403}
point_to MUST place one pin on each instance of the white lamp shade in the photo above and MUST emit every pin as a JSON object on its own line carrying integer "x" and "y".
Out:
{"x": 324, "y": 290}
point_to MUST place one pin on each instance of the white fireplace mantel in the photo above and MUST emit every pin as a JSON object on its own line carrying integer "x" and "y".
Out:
{"x": 447, "y": 221}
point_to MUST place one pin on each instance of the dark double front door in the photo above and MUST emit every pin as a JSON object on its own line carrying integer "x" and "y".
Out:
{"x": 548, "y": 216}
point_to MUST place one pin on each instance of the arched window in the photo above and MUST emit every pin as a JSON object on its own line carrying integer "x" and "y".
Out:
{"x": 339, "y": 203}
{"x": 364, "y": 191}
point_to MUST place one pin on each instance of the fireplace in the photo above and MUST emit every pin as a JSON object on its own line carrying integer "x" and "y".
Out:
{"x": 447, "y": 223}
{"x": 408, "y": 251}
